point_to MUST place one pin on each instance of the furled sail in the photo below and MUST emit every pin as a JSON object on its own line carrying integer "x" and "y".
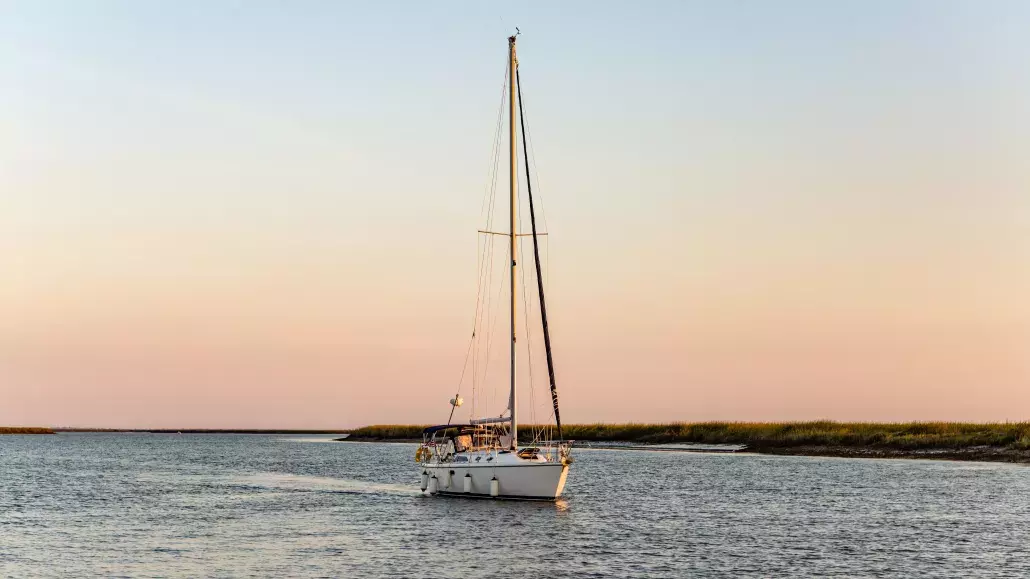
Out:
{"x": 536, "y": 258}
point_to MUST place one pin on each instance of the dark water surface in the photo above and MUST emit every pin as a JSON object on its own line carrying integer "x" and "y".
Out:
{"x": 75, "y": 505}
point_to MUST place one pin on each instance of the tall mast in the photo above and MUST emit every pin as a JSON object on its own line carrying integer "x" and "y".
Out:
{"x": 514, "y": 236}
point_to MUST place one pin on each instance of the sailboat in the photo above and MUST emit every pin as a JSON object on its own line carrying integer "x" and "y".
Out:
{"x": 482, "y": 457}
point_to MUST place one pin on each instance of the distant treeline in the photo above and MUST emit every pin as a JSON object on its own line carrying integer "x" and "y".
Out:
{"x": 757, "y": 435}
{"x": 25, "y": 430}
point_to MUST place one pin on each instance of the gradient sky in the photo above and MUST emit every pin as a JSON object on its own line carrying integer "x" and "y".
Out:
{"x": 263, "y": 214}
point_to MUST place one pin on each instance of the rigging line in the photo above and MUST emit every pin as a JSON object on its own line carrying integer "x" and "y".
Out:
{"x": 539, "y": 428}
{"x": 496, "y": 159}
{"x": 488, "y": 263}
{"x": 489, "y": 335}
{"x": 487, "y": 309}
{"x": 527, "y": 300}
{"x": 488, "y": 203}
{"x": 532, "y": 155}
{"x": 528, "y": 139}
{"x": 485, "y": 278}
{"x": 491, "y": 175}
{"x": 493, "y": 186}
{"x": 536, "y": 256}
{"x": 487, "y": 248}
{"x": 543, "y": 208}
{"x": 475, "y": 326}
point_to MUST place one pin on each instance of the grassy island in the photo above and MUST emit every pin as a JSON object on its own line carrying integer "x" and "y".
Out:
{"x": 1008, "y": 441}
{"x": 25, "y": 430}
{"x": 204, "y": 430}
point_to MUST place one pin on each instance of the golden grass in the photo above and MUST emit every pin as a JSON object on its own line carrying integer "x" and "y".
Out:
{"x": 388, "y": 432}
{"x": 204, "y": 430}
{"x": 894, "y": 435}
{"x": 25, "y": 430}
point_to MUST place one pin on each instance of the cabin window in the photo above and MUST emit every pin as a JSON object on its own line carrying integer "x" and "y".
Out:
{"x": 461, "y": 459}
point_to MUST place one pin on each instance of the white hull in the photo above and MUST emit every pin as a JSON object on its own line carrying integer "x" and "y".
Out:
{"x": 516, "y": 479}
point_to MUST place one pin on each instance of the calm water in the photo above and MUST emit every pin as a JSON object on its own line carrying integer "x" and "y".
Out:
{"x": 76, "y": 505}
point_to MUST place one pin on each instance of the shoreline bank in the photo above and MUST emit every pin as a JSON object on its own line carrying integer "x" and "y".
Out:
{"x": 994, "y": 442}
{"x": 973, "y": 454}
{"x": 26, "y": 430}
{"x": 980, "y": 442}
{"x": 200, "y": 431}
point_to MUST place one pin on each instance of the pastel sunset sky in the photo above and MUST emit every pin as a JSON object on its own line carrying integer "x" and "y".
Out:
{"x": 263, "y": 214}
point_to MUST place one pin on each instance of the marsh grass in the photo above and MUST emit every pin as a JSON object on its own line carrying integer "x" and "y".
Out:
{"x": 25, "y": 430}
{"x": 388, "y": 432}
{"x": 894, "y": 435}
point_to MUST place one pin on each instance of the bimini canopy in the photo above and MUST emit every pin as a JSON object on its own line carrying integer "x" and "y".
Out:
{"x": 440, "y": 427}
{"x": 472, "y": 424}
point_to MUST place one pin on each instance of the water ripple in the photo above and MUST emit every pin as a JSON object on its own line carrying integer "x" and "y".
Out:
{"x": 76, "y": 505}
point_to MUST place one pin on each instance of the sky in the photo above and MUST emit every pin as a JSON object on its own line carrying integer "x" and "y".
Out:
{"x": 263, "y": 214}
